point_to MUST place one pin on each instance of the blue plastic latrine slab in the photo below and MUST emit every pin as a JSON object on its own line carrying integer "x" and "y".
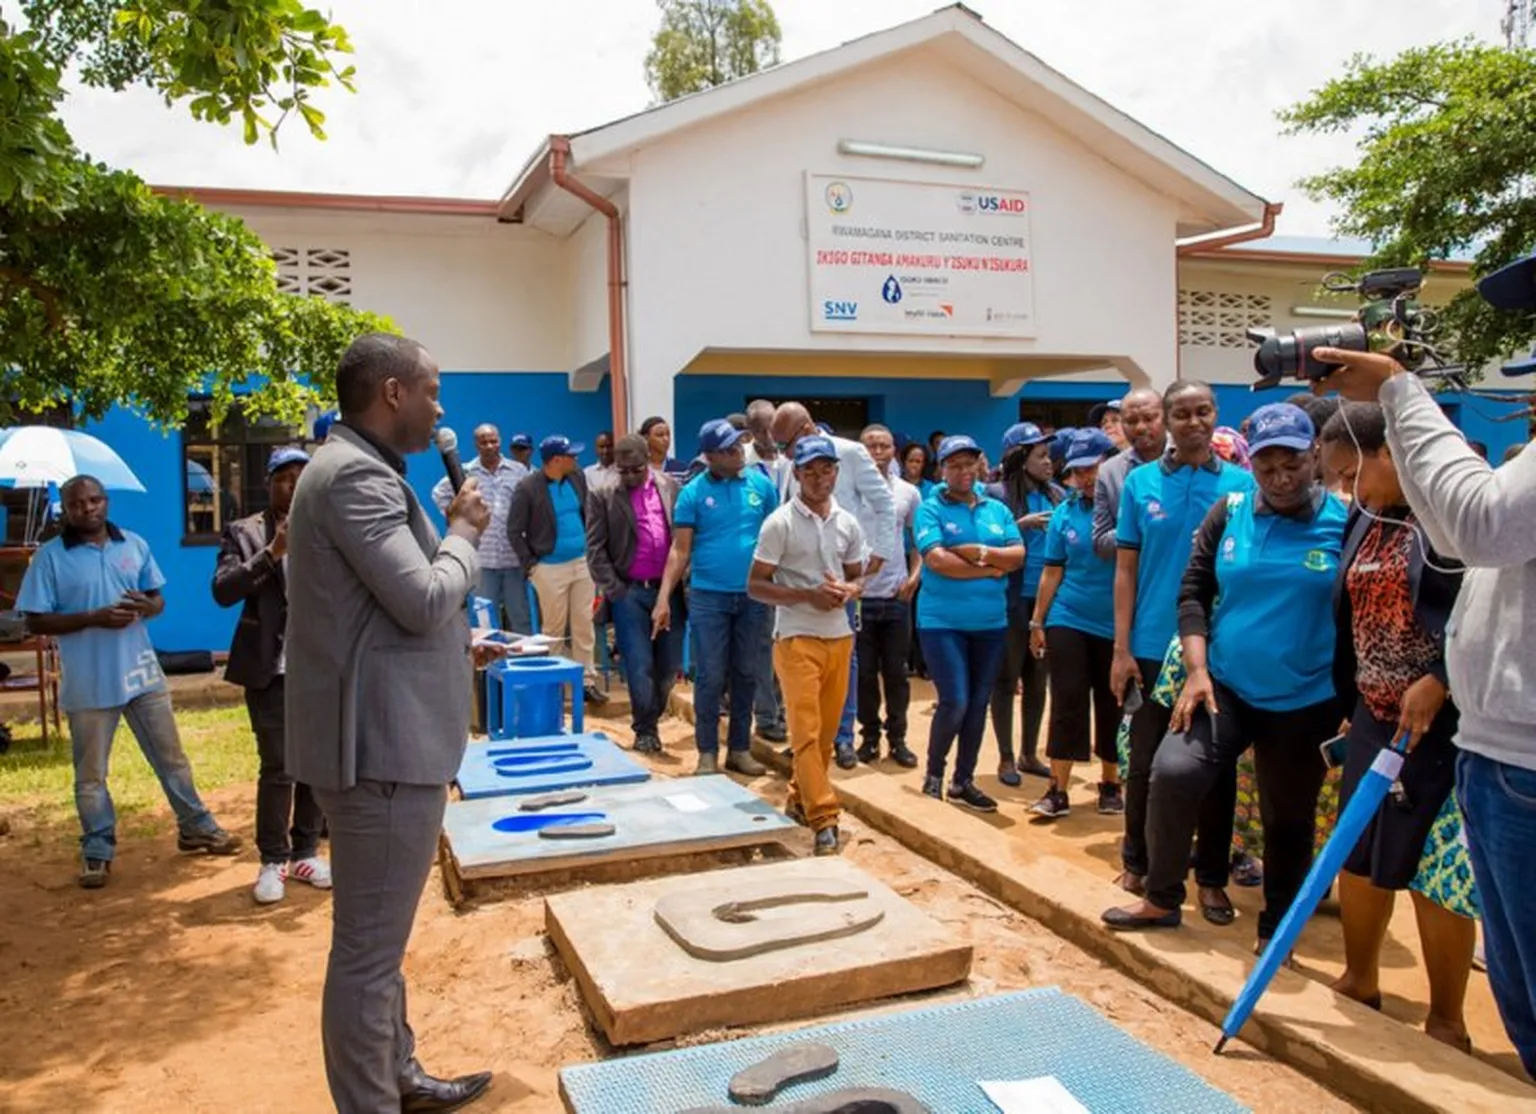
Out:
{"x": 505, "y": 767}
{"x": 938, "y": 1055}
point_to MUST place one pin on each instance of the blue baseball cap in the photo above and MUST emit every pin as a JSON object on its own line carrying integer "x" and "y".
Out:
{"x": 283, "y": 457}
{"x": 825, "y": 428}
{"x": 1096, "y": 415}
{"x": 718, "y": 435}
{"x": 1024, "y": 433}
{"x": 1059, "y": 441}
{"x": 808, "y": 449}
{"x": 557, "y": 445}
{"x": 1512, "y": 286}
{"x": 521, "y": 441}
{"x": 1086, "y": 447}
{"x": 1280, "y": 426}
{"x": 957, "y": 443}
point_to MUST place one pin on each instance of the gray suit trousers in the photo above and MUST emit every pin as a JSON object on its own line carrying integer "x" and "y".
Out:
{"x": 383, "y": 839}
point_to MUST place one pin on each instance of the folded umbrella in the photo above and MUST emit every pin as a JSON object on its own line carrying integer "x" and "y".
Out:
{"x": 1369, "y": 794}
{"x": 36, "y": 456}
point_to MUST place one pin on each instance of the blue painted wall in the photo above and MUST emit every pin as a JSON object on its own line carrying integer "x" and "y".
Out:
{"x": 540, "y": 403}
{"x": 537, "y": 403}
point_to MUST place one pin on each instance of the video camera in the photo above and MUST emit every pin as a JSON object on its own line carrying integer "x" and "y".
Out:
{"x": 1390, "y": 321}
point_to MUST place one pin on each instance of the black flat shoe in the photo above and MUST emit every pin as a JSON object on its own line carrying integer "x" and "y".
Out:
{"x": 421, "y": 1093}
{"x": 902, "y": 756}
{"x": 1219, "y": 914}
{"x": 846, "y": 758}
{"x": 1008, "y": 774}
{"x": 1035, "y": 768}
{"x": 1122, "y": 921}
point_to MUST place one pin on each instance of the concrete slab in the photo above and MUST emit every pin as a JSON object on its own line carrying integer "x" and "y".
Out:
{"x": 641, "y": 986}
{"x": 516, "y": 766}
{"x": 651, "y": 819}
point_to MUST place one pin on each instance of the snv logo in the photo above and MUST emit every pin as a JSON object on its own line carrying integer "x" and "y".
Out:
{"x": 991, "y": 203}
{"x": 840, "y": 311}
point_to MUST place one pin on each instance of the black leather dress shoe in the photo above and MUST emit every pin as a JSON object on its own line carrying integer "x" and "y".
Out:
{"x": 421, "y": 1093}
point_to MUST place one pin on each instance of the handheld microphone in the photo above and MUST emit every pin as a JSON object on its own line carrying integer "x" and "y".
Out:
{"x": 448, "y": 445}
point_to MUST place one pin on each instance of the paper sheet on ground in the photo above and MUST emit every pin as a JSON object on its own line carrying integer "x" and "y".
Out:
{"x": 1042, "y": 1095}
{"x": 687, "y": 802}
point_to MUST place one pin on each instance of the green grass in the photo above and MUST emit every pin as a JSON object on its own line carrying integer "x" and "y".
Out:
{"x": 38, "y": 781}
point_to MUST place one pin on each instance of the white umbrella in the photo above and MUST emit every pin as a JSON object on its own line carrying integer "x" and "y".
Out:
{"x": 36, "y": 456}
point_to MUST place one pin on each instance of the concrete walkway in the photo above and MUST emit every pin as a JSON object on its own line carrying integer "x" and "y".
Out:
{"x": 1062, "y": 874}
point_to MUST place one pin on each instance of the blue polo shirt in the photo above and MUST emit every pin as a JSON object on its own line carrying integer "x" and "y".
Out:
{"x": 725, "y": 516}
{"x": 1161, "y": 507}
{"x": 1085, "y": 601}
{"x": 570, "y": 530}
{"x": 102, "y": 668}
{"x": 1036, "y": 502}
{"x": 1272, "y": 631}
{"x": 946, "y": 603}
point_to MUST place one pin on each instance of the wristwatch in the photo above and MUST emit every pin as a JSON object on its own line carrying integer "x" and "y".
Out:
{"x": 1036, "y": 626}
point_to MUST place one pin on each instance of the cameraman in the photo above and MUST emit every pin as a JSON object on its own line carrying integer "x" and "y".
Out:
{"x": 1486, "y": 518}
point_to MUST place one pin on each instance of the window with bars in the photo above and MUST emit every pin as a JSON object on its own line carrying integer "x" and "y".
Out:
{"x": 1220, "y": 319}
{"x": 319, "y": 272}
{"x": 224, "y": 467}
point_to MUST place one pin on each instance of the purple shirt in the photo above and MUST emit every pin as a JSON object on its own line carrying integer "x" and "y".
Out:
{"x": 653, "y": 537}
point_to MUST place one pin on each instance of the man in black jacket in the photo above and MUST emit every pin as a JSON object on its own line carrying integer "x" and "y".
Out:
{"x": 547, "y": 527}
{"x": 252, "y": 571}
{"x": 629, "y": 533}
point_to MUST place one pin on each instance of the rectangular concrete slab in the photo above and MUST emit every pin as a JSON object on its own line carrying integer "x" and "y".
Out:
{"x": 504, "y": 767}
{"x": 643, "y": 986}
{"x": 652, "y": 819}
{"x": 937, "y": 1055}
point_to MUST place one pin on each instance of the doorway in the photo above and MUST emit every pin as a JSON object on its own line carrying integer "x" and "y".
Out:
{"x": 846, "y": 415}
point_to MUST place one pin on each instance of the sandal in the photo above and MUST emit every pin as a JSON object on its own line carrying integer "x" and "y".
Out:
{"x": 1217, "y": 913}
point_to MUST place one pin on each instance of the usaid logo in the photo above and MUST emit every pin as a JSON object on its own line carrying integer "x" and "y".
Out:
{"x": 996, "y": 204}
{"x": 840, "y": 311}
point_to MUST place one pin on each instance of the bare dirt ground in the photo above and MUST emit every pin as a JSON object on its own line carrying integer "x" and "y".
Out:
{"x": 170, "y": 990}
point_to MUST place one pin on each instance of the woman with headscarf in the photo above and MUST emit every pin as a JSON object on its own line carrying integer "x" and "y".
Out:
{"x": 1026, "y": 489}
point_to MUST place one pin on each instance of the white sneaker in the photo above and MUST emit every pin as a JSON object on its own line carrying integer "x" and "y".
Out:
{"x": 269, "y": 883}
{"x": 315, "y": 870}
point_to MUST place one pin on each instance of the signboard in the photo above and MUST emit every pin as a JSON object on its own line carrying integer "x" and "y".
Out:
{"x": 913, "y": 257}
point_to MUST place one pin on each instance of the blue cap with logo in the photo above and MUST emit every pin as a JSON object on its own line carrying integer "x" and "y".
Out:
{"x": 1024, "y": 433}
{"x": 558, "y": 445}
{"x": 808, "y": 449}
{"x": 957, "y": 443}
{"x": 1101, "y": 410}
{"x": 718, "y": 435}
{"x": 1059, "y": 441}
{"x": 521, "y": 441}
{"x": 1280, "y": 426}
{"x": 283, "y": 457}
{"x": 1085, "y": 448}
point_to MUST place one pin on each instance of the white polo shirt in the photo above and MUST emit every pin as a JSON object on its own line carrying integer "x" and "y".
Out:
{"x": 804, "y": 548}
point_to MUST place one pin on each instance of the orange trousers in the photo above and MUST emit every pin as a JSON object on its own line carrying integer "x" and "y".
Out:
{"x": 813, "y": 672}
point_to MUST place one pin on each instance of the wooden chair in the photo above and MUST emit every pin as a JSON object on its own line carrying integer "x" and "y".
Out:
{"x": 45, "y": 679}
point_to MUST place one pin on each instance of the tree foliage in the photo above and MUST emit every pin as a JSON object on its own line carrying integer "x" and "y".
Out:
{"x": 1447, "y": 164}
{"x": 111, "y": 293}
{"x": 704, "y": 43}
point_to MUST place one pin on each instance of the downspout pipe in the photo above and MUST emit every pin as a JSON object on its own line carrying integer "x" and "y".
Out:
{"x": 618, "y": 368}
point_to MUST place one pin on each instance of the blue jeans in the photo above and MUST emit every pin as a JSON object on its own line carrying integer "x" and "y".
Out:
{"x": 851, "y": 705}
{"x": 153, "y": 724}
{"x": 507, "y": 589}
{"x": 963, "y": 665}
{"x": 650, "y": 668}
{"x": 768, "y": 703}
{"x": 729, "y": 629}
{"x": 1498, "y": 808}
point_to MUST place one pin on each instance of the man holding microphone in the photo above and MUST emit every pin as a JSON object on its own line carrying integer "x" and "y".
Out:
{"x": 1486, "y": 518}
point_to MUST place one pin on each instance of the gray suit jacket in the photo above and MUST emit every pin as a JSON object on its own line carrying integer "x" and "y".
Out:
{"x": 379, "y": 675}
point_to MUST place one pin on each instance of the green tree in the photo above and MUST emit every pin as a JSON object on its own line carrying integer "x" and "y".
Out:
{"x": 704, "y": 43}
{"x": 110, "y": 293}
{"x": 1447, "y": 164}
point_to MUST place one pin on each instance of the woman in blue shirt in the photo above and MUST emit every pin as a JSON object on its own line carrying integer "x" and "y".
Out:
{"x": 1027, "y": 491}
{"x": 1161, "y": 506}
{"x": 1255, "y": 617}
{"x": 1073, "y": 619}
{"x": 970, "y": 545}
{"x": 914, "y": 468}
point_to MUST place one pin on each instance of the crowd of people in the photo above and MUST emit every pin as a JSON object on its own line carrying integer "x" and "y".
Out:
{"x": 1216, "y": 613}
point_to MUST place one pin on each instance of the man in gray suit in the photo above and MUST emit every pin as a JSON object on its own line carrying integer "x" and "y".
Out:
{"x": 378, "y": 704}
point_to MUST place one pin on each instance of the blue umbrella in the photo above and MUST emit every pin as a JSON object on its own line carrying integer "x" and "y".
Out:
{"x": 36, "y": 456}
{"x": 1369, "y": 794}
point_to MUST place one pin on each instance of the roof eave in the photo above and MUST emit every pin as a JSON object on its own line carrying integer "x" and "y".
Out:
{"x": 533, "y": 176}
{"x": 221, "y": 198}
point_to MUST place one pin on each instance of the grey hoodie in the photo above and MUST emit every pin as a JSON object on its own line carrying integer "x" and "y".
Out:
{"x": 1487, "y": 519}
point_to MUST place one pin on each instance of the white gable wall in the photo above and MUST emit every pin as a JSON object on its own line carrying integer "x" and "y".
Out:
{"x": 716, "y": 247}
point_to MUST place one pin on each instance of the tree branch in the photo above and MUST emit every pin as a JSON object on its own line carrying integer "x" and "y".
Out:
{"x": 46, "y": 295}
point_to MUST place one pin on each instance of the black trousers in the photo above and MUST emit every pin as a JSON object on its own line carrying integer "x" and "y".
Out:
{"x": 1019, "y": 664}
{"x": 884, "y": 644}
{"x": 1080, "y": 692}
{"x": 1289, "y": 771}
{"x": 1213, "y": 848}
{"x": 279, "y": 799}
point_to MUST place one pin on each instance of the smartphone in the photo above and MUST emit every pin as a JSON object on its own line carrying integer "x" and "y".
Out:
{"x": 1132, "y": 703}
{"x": 1334, "y": 750}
